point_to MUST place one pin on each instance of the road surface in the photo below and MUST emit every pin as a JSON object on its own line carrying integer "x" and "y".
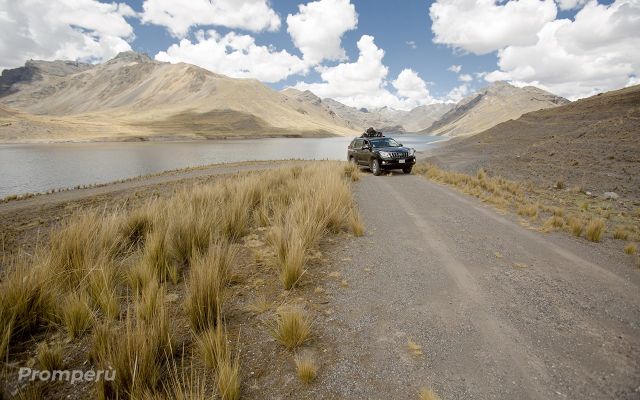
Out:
{"x": 500, "y": 311}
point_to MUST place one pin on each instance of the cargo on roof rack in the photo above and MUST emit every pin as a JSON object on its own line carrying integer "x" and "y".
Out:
{"x": 372, "y": 133}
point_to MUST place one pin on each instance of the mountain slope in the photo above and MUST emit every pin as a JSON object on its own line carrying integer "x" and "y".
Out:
{"x": 385, "y": 118}
{"x": 593, "y": 143}
{"x": 145, "y": 97}
{"x": 497, "y": 103}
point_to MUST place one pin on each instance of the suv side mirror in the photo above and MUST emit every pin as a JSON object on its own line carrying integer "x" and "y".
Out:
{"x": 400, "y": 144}
{"x": 365, "y": 147}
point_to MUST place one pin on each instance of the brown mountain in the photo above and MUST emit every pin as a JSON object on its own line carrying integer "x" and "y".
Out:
{"x": 593, "y": 143}
{"x": 133, "y": 95}
{"x": 488, "y": 107}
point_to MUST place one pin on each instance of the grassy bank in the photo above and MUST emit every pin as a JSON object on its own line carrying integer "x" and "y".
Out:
{"x": 158, "y": 292}
{"x": 549, "y": 209}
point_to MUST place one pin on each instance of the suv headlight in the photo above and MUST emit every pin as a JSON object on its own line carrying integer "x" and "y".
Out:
{"x": 385, "y": 154}
{"x": 412, "y": 152}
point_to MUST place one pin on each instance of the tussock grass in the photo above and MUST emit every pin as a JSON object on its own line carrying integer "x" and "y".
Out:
{"x": 138, "y": 353}
{"x": 414, "y": 348}
{"x": 352, "y": 171}
{"x": 621, "y": 233}
{"x": 26, "y": 304}
{"x": 529, "y": 210}
{"x": 631, "y": 248}
{"x": 595, "y": 229}
{"x": 49, "y": 358}
{"x": 107, "y": 271}
{"x": 76, "y": 315}
{"x": 554, "y": 222}
{"x": 206, "y": 285}
{"x": 306, "y": 366}
{"x": 576, "y": 225}
{"x": 292, "y": 327}
{"x": 427, "y": 394}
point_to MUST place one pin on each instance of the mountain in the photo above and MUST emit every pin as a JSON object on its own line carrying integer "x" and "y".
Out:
{"x": 385, "y": 118}
{"x": 135, "y": 96}
{"x": 496, "y": 103}
{"x": 593, "y": 143}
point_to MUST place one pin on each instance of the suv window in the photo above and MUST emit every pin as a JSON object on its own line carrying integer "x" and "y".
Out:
{"x": 357, "y": 143}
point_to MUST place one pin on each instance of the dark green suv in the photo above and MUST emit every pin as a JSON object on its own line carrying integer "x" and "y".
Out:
{"x": 380, "y": 154}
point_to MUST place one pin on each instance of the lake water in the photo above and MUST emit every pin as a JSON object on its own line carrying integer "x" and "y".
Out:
{"x": 33, "y": 168}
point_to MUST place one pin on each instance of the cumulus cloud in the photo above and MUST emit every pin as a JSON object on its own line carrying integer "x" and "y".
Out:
{"x": 234, "y": 55}
{"x": 318, "y": 27}
{"x": 484, "y": 26}
{"x": 411, "y": 89}
{"x": 597, "y": 51}
{"x": 455, "y": 69}
{"x": 85, "y": 30}
{"x": 458, "y": 93}
{"x": 179, "y": 16}
{"x": 363, "y": 83}
{"x": 465, "y": 78}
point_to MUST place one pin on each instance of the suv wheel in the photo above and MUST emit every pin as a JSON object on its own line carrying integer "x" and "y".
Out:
{"x": 407, "y": 170}
{"x": 375, "y": 167}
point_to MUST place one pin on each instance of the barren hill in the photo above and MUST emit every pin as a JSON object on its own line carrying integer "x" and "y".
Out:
{"x": 133, "y": 95}
{"x": 497, "y": 103}
{"x": 593, "y": 143}
{"x": 384, "y": 118}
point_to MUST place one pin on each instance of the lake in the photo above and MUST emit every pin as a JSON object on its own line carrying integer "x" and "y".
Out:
{"x": 34, "y": 168}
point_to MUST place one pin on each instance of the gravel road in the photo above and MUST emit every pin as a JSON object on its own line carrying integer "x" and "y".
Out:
{"x": 499, "y": 311}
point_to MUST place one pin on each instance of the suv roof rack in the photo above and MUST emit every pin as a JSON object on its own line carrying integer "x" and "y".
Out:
{"x": 371, "y": 133}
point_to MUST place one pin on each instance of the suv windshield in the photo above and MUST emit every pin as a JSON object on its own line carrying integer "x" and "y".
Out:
{"x": 386, "y": 142}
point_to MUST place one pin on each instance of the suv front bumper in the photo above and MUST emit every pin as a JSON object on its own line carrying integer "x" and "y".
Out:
{"x": 397, "y": 163}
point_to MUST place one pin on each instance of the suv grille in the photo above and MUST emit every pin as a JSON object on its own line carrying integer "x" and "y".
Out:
{"x": 397, "y": 154}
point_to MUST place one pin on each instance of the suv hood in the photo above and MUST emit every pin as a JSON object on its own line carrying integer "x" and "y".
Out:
{"x": 392, "y": 149}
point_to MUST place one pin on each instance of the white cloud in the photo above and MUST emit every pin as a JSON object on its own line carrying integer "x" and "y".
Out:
{"x": 363, "y": 83}
{"x": 458, "y": 93}
{"x": 318, "y": 27}
{"x": 411, "y": 44}
{"x": 465, "y": 78}
{"x": 483, "y": 26}
{"x": 571, "y": 4}
{"x": 179, "y": 16}
{"x": 596, "y": 52}
{"x": 84, "y": 30}
{"x": 455, "y": 69}
{"x": 411, "y": 89}
{"x": 234, "y": 55}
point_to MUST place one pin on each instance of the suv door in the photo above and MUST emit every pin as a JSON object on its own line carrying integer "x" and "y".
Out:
{"x": 357, "y": 150}
{"x": 363, "y": 154}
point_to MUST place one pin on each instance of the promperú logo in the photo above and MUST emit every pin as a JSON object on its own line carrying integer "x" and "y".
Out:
{"x": 68, "y": 375}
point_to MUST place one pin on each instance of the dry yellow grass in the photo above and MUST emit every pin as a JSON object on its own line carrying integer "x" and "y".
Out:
{"x": 631, "y": 248}
{"x": 206, "y": 285}
{"x": 595, "y": 229}
{"x": 292, "y": 327}
{"x": 49, "y": 357}
{"x": 576, "y": 225}
{"x": 112, "y": 268}
{"x": 76, "y": 315}
{"x": 528, "y": 210}
{"x": 414, "y": 348}
{"x": 621, "y": 234}
{"x": 427, "y": 394}
{"x": 306, "y": 366}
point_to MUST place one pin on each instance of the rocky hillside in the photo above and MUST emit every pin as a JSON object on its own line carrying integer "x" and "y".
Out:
{"x": 497, "y": 103}
{"x": 593, "y": 144}
{"x": 385, "y": 118}
{"x": 133, "y": 95}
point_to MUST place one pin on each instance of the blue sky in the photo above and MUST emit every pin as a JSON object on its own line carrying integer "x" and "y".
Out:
{"x": 392, "y": 24}
{"x": 573, "y": 48}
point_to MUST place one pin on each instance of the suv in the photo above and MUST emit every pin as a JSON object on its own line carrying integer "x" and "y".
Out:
{"x": 381, "y": 153}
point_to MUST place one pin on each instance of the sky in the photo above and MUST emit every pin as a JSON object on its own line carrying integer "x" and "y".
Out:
{"x": 364, "y": 53}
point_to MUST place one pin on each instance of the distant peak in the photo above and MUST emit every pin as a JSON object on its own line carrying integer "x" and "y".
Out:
{"x": 132, "y": 56}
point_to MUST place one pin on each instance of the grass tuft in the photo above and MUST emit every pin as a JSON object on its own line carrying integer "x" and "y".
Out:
{"x": 76, "y": 315}
{"x": 595, "y": 229}
{"x": 631, "y": 248}
{"x": 427, "y": 394}
{"x": 292, "y": 328}
{"x": 306, "y": 366}
{"x": 49, "y": 357}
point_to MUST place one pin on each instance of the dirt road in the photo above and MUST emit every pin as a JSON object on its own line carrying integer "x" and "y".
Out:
{"x": 500, "y": 311}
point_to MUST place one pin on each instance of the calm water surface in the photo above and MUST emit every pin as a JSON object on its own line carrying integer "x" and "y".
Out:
{"x": 32, "y": 168}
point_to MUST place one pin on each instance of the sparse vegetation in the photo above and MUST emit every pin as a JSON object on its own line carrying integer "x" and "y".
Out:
{"x": 124, "y": 275}
{"x": 631, "y": 248}
{"x": 427, "y": 394}
{"x": 292, "y": 327}
{"x": 573, "y": 211}
{"x": 49, "y": 357}
{"x": 306, "y": 366}
{"x": 595, "y": 229}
